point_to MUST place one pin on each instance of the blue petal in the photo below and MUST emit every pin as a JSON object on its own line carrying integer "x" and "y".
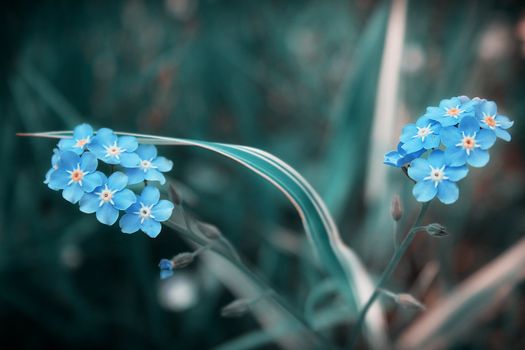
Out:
{"x": 450, "y": 136}
{"x": 135, "y": 175}
{"x": 433, "y": 113}
{"x": 424, "y": 191}
{"x": 408, "y": 131}
{"x": 165, "y": 274}
{"x": 392, "y": 158}
{"x": 469, "y": 125}
{"x": 419, "y": 169}
{"x": 151, "y": 227}
{"x": 413, "y": 145}
{"x": 88, "y": 162}
{"x": 129, "y": 143}
{"x": 150, "y": 195}
{"x": 124, "y": 199}
{"x": 485, "y": 138}
{"x": 91, "y": 181}
{"x": 163, "y": 164}
{"x": 448, "y": 192}
{"x": 432, "y": 141}
{"x": 453, "y": 102}
{"x": 502, "y": 134}
{"x": 456, "y": 173}
{"x": 129, "y": 160}
{"x": 155, "y": 175}
{"x": 117, "y": 181}
{"x": 106, "y": 214}
{"x": 68, "y": 145}
{"x": 478, "y": 158}
{"x": 436, "y": 159}
{"x": 59, "y": 179}
{"x": 455, "y": 156}
{"x": 489, "y": 108}
{"x": 89, "y": 203}
{"x": 147, "y": 152}
{"x": 68, "y": 160}
{"x": 129, "y": 223}
{"x": 97, "y": 149}
{"x": 82, "y": 131}
{"x": 448, "y": 121}
{"x": 166, "y": 264}
{"x": 104, "y": 136}
{"x": 504, "y": 121}
{"x": 135, "y": 207}
{"x": 73, "y": 193}
{"x": 163, "y": 210}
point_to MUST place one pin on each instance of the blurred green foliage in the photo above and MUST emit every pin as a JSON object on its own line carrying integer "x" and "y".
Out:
{"x": 296, "y": 78}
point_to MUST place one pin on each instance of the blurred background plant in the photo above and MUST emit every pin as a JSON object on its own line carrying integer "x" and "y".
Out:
{"x": 326, "y": 86}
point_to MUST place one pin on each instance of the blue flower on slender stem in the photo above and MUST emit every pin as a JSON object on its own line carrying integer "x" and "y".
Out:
{"x": 400, "y": 157}
{"x": 468, "y": 143}
{"x": 450, "y": 112}
{"x": 150, "y": 166}
{"x": 166, "y": 268}
{"x": 54, "y": 166}
{"x": 147, "y": 213}
{"x": 435, "y": 176}
{"x": 490, "y": 119}
{"x": 424, "y": 134}
{"x": 82, "y": 136}
{"x": 75, "y": 175}
{"x": 109, "y": 198}
{"x": 112, "y": 149}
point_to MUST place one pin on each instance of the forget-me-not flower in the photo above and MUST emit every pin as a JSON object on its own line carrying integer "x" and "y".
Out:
{"x": 467, "y": 143}
{"x": 113, "y": 149}
{"x": 150, "y": 167}
{"x": 400, "y": 157}
{"x": 450, "y": 112}
{"x": 75, "y": 175}
{"x": 107, "y": 199}
{"x": 424, "y": 134}
{"x": 54, "y": 166}
{"x": 435, "y": 177}
{"x": 147, "y": 213}
{"x": 82, "y": 136}
{"x": 490, "y": 119}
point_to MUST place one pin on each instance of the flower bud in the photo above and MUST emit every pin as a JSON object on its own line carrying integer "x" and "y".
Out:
{"x": 436, "y": 230}
{"x": 182, "y": 260}
{"x": 396, "y": 209}
{"x": 236, "y": 308}
{"x": 209, "y": 230}
{"x": 166, "y": 268}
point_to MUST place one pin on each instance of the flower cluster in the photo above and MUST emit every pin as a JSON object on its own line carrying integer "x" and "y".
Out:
{"x": 75, "y": 171}
{"x": 438, "y": 147}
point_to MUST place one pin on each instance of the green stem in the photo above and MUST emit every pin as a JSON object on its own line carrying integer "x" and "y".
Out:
{"x": 394, "y": 261}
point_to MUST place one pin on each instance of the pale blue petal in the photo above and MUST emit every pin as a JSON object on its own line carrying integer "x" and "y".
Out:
{"x": 502, "y": 134}
{"x": 485, "y": 138}
{"x": 129, "y": 160}
{"x": 117, "y": 181}
{"x": 97, "y": 149}
{"x": 124, "y": 199}
{"x": 163, "y": 210}
{"x": 129, "y": 143}
{"x": 155, "y": 175}
{"x": 68, "y": 145}
{"x": 88, "y": 162}
{"x": 73, "y": 193}
{"x": 489, "y": 108}
{"x": 135, "y": 175}
{"x": 455, "y": 156}
{"x": 413, "y": 145}
{"x": 448, "y": 121}
{"x": 163, "y": 164}
{"x": 424, "y": 191}
{"x": 68, "y": 160}
{"x": 456, "y": 173}
{"x": 147, "y": 152}
{"x": 129, "y": 223}
{"x": 150, "y": 195}
{"x": 135, "y": 207}
{"x": 106, "y": 214}
{"x": 91, "y": 181}
{"x": 151, "y": 227}
{"x": 59, "y": 179}
{"x": 448, "y": 192}
{"x": 450, "y": 136}
{"x": 469, "y": 125}
{"x": 434, "y": 112}
{"x": 504, "y": 121}
{"x": 453, "y": 102}
{"x": 408, "y": 131}
{"x": 419, "y": 169}
{"x": 432, "y": 141}
{"x": 436, "y": 159}
{"x": 82, "y": 131}
{"x": 105, "y": 136}
{"x": 478, "y": 158}
{"x": 89, "y": 203}
{"x": 392, "y": 158}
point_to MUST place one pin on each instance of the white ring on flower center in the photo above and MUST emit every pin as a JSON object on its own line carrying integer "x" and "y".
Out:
{"x": 76, "y": 175}
{"x": 436, "y": 175}
{"x": 146, "y": 164}
{"x": 423, "y": 132}
{"x": 468, "y": 143}
{"x": 80, "y": 143}
{"x": 113, "y": 150}
{"x": 106, "y": 195}
{"x": 490, "y": 120}
{"x": 453, "y": 112}
{"x": 144, "y": 212}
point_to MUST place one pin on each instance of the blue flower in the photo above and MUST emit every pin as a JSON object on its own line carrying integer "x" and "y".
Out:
{"x": 166, "y": 268}
{"x": 75, "y": 175}
{"x": 451, "y": 111}
{"x": 435, "y": 176}
{"x": 150, "y": 166}
{"x": 400, "y": 157}
{"x": 81, "y": 138}
{"x": 115, "y": 150}
{"x": 107, "y": 199}
{"x": 147, "y": 213}
{"x": 424, "y": 134}
{"x": 490, "y": 119}
{"x": 468, "y": 143}
{"x": 54, "y": 166}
